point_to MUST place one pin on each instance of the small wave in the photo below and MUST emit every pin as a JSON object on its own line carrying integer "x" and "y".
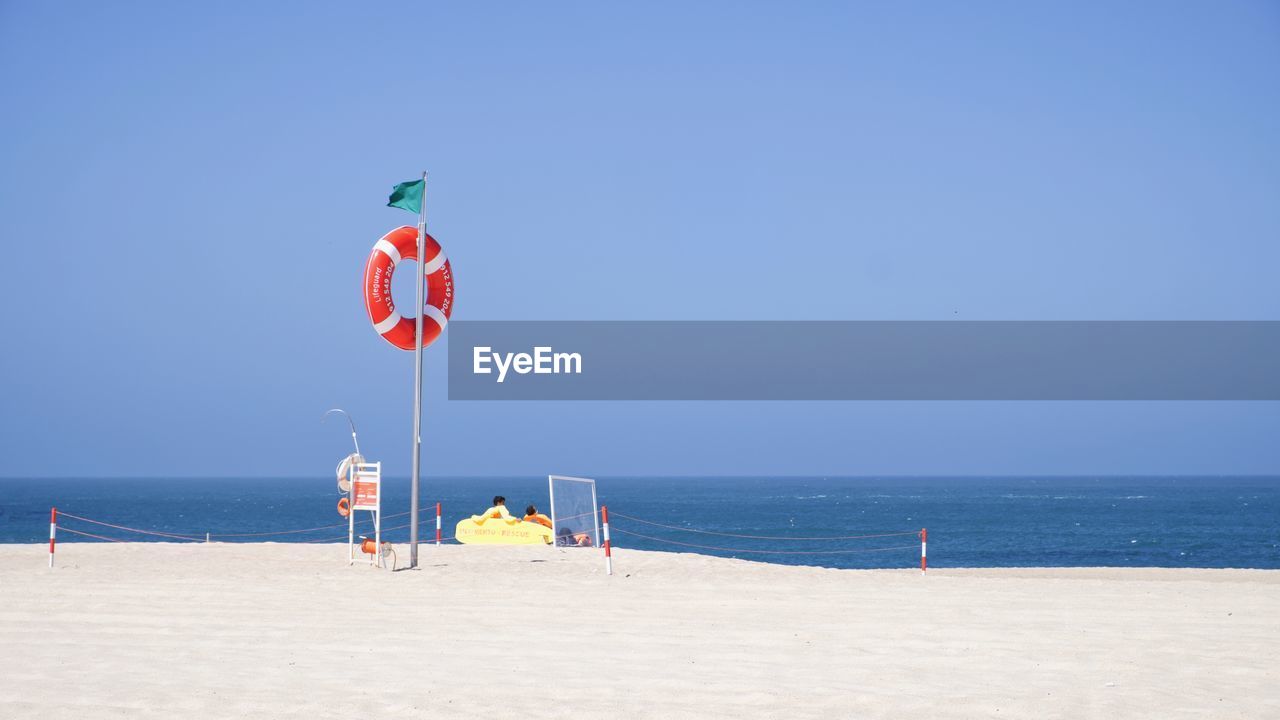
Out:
{"x": 1014, "y": 496}
{"x": 897, "y": 497}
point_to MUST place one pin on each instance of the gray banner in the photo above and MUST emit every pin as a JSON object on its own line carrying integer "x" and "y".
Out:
{"x": 857, "y": 360}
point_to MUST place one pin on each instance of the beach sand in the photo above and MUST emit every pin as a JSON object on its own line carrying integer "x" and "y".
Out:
{"x": 289, "y": 630}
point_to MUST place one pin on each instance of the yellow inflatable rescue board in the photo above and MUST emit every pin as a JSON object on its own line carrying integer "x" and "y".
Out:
{"x": 477, "y": 530}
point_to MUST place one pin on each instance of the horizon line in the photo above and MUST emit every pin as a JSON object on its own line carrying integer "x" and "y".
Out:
{"x": 1266, "y": 475}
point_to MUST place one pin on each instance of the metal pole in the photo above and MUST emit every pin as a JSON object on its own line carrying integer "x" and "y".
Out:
{"x": 417, "y": 378}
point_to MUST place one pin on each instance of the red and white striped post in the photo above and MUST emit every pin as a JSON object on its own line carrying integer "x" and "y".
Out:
{"x": 53, "y": 532}
{"x": 924, "y": 537}
{"x": 437, "y": 523}
{"x": 608, "y": 548}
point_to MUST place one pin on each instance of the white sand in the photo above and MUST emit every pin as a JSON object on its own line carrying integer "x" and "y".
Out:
{"x": 277, "y": 631}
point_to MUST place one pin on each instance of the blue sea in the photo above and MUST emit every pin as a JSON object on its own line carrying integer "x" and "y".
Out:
{"x": 1210, "y": 522}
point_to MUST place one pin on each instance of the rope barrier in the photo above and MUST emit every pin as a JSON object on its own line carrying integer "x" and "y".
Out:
{"x": 96, "y": 537}
{"x": 273, "y": 533}
{"x": 764, "y": 552}
{"x": 766, "y": 537}
{"x": 303, "y": 530}
{"x": 650, "y": 538}
{"x": 384, "y": 530}
{"x": 401, "y": 527}
{"x": 344, "y": 537}
{"x": 337, "y": 525}
{"x": 324, "y": 540}
{"x": 62, "y": 514}
{"x": 278, "y": 532}
{"x": 575, "y": 517}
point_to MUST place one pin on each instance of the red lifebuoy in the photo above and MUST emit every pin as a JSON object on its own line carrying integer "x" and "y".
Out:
{"x": 344, "y": 507}
{"x": 402, "y": 244}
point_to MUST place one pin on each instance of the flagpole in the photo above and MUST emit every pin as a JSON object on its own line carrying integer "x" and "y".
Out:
{"x": 417, "y": 378}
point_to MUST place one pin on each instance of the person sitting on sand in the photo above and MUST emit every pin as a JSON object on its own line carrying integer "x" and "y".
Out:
{"x": 497, "y": 512}
{"x": 531, "y": 514}
{"x": 570, "y": 538}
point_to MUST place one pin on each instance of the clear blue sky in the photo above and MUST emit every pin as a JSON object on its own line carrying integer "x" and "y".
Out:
{"x": 188, "y": 193}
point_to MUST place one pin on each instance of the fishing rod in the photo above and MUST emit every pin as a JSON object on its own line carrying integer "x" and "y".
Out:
{"x": 349, "y": 422}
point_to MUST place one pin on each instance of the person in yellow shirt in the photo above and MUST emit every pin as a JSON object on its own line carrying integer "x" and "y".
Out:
{"x": 531, "y": 514}
{"x": 498, "y": 511}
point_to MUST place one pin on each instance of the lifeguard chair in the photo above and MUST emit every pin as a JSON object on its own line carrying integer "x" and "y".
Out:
{"x": 365, "y": 493}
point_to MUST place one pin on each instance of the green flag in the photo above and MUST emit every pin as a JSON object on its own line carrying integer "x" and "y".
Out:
{"x": 407, "y": 196}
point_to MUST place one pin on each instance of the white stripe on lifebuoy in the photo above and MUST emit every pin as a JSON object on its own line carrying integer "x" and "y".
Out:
{"x": 434, "y": 313}
{"x": 389, "y": 250}
{"x": 385, "y": 326}
{"x": 435, "y": 263}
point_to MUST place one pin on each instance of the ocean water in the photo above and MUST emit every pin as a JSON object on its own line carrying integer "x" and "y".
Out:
{"x": 1212, "y": 522}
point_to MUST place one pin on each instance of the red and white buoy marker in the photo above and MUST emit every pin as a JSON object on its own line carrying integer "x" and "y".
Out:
{"x": 608, "y": 549}
{"x": 437, "y": 523}
{"x": 53, "y": 532}
{"x": 924, "y": 537}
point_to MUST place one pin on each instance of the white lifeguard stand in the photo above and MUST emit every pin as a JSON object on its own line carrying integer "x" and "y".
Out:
{"x": 365, "y": 493}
